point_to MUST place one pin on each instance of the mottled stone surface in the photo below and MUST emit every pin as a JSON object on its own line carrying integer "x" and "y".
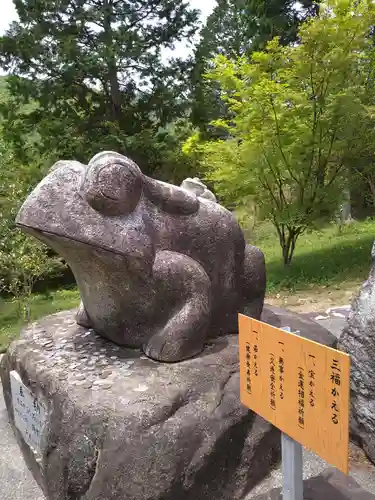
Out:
{"x": 307, "y": 328}
{"x": 333, "y": 319}
{"x": 358, "y": 340}
{"x": 329, "y": 485}
{"x": 196, "y": 186}
{"x": 123, "y": 426}
{"x": 134, "y": 428}
{"x": 157, "y": 266}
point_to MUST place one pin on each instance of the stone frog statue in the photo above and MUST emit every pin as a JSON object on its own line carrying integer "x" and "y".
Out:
{"x": 157, "y": 267}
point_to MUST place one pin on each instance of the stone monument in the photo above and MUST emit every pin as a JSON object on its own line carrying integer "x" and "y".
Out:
{"x": 157, "y": 266}
{"x": 358, "y": 340}
{"x": 162, "y": 271}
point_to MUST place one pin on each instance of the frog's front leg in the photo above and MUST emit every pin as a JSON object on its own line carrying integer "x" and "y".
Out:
{"x": 184, "y": 304}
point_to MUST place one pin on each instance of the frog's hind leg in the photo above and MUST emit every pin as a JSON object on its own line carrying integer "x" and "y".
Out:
{"x": 254, "y": 286}
{"x": 184, "y": 307}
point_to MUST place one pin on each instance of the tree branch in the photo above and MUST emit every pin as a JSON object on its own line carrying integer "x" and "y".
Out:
{"x": 279, "y": 143}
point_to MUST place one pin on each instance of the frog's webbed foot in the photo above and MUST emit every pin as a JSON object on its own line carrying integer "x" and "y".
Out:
{"x": 185, "y": 299}
{"x": 82, "y": 317}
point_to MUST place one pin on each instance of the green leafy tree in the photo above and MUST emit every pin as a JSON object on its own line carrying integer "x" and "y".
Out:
{"x": 95, "y": 71}
{"x": 236, "y": 28}
{"x": 296, "y": 111}
{"x": 23, "y": 261}
{"x": 360, "y": 156}
{"x": 26, "y": 262}
{"x": 174, "y": 164}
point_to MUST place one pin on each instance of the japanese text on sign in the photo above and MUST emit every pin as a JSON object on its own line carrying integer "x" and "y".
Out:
{"x": 248, "y": 368}
{"x": 30, "y": 414}
{"x": 281, "y": 370}
{"x": 300, "y": 386}
{"x": 336, "y": 382}
{"x": 301, "y": 397}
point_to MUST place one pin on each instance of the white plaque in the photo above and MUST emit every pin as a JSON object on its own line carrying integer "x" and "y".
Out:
{"x": 30, "y": 414}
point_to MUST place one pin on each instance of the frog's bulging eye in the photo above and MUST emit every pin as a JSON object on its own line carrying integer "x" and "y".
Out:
{"x": 112, "y": 184}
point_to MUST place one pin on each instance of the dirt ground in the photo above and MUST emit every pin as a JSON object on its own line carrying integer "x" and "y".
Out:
{"x": 318, "y": 299}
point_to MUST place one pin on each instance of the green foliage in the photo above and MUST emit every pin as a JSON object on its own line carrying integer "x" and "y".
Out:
{"x": 171, "y": 163}
{"x": 11, "y": 322}
{"x": 236, "y": 28}
{"x": 324, "y": 258}
{"x": 280, "y": 18}
{"x": 23, "y": 261}
{"x": 360, "y": 155}
{"x": 95, "y": 72}
{"x": 295, "y": 112}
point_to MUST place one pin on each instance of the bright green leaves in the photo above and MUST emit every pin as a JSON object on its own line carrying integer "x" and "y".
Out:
{"x": 293, "y": 114}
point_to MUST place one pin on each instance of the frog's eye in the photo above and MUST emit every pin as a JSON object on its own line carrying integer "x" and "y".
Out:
{"x": 112, "y": 184}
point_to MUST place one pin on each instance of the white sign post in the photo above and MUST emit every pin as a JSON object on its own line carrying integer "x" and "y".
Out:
{"x": 30, "y": 414}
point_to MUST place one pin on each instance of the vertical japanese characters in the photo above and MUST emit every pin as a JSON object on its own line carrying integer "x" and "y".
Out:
{"x": 312, "y": 381}
{"x": 301, "y": 397}
{"x": 29, "y": 413}
{"x": 335, "y": 390}
{"x": 272, "y": 381}
{"x": 281, "y": 370}
{"x": 256, "y": 353}
{"x": 248, "y": 367}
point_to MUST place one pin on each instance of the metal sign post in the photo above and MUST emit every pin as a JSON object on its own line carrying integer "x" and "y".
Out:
{"x": 292, "y": 463}
{"x": 292, "y": 467}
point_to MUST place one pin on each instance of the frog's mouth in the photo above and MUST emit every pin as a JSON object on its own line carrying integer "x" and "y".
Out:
{"x": 136, "y": 260}
{"x": 48, "y": 237}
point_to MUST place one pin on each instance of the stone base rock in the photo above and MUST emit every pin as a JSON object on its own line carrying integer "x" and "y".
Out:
{"x": 330, "y": 485}
{"x": 309, "y": 329}
{"x": 358, "y": 340}
{"x": 122, "y": 426}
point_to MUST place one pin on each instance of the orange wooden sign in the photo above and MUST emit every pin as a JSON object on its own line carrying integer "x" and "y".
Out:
{"x": 300, "y": 386}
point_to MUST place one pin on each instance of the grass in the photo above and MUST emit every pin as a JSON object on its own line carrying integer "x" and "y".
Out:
{"x": 323, "y": 259}
{"x": 329, "y": 258}
{"x": 41, "y": 305}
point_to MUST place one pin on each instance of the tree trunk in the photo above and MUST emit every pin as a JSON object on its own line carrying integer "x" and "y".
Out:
{"x": 28, "y": 310}
{"x": 288, "y": 239}
{"x": 112, "y": 75}
{"x": 371, "y": 184}
{"x": 346, "y": 208}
